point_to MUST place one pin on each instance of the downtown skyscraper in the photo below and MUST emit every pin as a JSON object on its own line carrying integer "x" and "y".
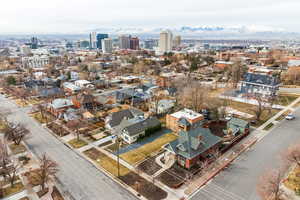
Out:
{"x": 93, "y": 40}
{"x": 165, "y": 41}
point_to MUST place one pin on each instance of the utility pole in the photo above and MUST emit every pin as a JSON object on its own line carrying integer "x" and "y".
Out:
{"x": 118, "y": 155}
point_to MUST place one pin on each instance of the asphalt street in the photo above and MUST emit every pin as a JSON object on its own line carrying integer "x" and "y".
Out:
{"x": 239, "y": 180}
{"x": 79, "y": 177}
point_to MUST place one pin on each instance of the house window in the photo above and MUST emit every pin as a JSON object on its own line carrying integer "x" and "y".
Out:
{"x": 126, "y": 137}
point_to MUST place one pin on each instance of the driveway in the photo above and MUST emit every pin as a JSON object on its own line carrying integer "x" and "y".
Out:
{"x": 239, "y": 180}
{"x": 79, "y": 177}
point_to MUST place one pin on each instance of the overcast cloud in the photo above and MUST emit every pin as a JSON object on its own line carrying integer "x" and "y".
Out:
{"x": 77, "y": 16}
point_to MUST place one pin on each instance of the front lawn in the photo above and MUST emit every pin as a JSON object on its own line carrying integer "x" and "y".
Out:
{"x": 33, "y": 177}
{"x": 21, "y": 103}
{"x": 38, "y": 117}
{"x": 77, "y": 143}
{"x": 106, "y": 162}
{"x": 247, "y": 108}
{"x": 146, "y": 150}
{"x": 269, "y": 126}
{"x": 8, "y": 191}
{"x": 285, "y": 100}
{"x": 16, "y": 149}
{"x": 114, "y": 146}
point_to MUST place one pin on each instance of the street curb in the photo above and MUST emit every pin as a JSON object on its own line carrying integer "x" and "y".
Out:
{"x": 224, "y": 166}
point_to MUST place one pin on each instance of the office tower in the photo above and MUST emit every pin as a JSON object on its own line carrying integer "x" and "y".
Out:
{"x": 177, "y": 41}
{"x": 34, "y": 43}
{"x": 93, "y": 40}
{"x": 99, "y": 38}
{"x": 124, "y": 42}
{"x": 150, "y": 44}
{"x": 107, "y": 45}
{"x": 165, "y": 41}
{"x": 134, "y": 43}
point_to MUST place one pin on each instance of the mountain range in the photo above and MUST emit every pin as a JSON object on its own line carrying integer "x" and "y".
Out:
{"x": 209, "y": 32}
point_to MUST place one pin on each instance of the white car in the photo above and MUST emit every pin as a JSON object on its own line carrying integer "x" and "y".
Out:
{"x": 290, "y": 117}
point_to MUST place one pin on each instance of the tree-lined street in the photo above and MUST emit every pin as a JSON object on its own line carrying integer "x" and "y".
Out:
{"x": 79, "y": 177}
{"x": 239, "y": 180}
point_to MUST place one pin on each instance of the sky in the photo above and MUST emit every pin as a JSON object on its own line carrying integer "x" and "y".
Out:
{"x": 80, "y": 16}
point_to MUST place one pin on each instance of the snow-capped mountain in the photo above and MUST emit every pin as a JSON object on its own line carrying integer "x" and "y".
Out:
{"x": 252, "y": 31}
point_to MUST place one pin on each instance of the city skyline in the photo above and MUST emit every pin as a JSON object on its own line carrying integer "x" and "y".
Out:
{"x": 68, "y": 16}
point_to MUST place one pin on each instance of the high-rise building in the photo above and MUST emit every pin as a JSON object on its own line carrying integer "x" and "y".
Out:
{"x": 134, "y": 43}
{"x": 34, "y": 43}
{"x": 177, "y": 41}
{"x": 99, "y": 38}
{"x": 107, "y": 45}
{"x": 93, "y": 40}
{"x": 149, "y": 44}
{"x": 124, "y": 42}
{"x": 165, "y": 41}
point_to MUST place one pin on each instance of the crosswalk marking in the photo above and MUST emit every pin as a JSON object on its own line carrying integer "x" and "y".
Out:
{"x": 213, "y": 191}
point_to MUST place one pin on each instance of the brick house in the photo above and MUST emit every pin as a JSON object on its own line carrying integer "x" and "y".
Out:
{"x": 58, "y": 106}
{"x": 85, "y": 101}
{"x": 177, "y": 120}
{"x": 193, "y": 145}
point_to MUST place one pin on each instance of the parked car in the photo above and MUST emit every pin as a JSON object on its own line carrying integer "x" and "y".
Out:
{"x": 228, "y": 117}
{"x": 290, "y": 117}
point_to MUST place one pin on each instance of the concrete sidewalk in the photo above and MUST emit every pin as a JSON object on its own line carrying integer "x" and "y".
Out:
{"x": 231, "y": 155}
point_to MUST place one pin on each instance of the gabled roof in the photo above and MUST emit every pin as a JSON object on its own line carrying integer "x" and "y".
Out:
{"x": 117, "y": 117}
{"x": 238, "y": 122}
{"x": 142, "y": 126}
{"x": 87, "y": 98}
{"x": 61, "y": 103}
{"x": 193, "y": 143}
{"x": 45, "y": 92}
{"x": 261, "y": 79}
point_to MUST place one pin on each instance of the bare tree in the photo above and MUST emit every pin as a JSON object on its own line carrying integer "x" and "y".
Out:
{"x": 216, "y": 154}
{"x": 4, "y": 158}
{"x": 268, "y": 186}
{"x": 11, "y": 173}
{"x": 259, "y": 108}
{"x": 271, "y": 101}
{"x": 194, "y": 96}
{"x": 217, "y": 107}
{"x": 48, "y": 169}
{"x": 236, "y": 72}
{"x": 15, "y": 132}
{"x": 293, "y": 154}
{"x": 75, "y": 125}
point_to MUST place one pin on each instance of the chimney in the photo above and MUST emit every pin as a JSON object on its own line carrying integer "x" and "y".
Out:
{"x": 200, "y": 137}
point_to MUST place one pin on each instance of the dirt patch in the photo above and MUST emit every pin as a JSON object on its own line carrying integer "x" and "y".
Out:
{"x": 42, "y": 192}
{"x": 105, "y": 143}
{"x": 144, "y": 187}
{"x": 174, "y": 177}
{"x": 149, "y": 166}
{"x": 58, "y": 130}
{"x": 217, "y": 128}
{"x": 56, "y": 194}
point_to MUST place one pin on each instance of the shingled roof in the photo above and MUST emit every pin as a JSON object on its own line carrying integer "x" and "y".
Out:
{"x": 117, "y": 117}
{"x": 261, "y": 79}
{"x": 193, "y": 142}
{"x": 142, "y": 126}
